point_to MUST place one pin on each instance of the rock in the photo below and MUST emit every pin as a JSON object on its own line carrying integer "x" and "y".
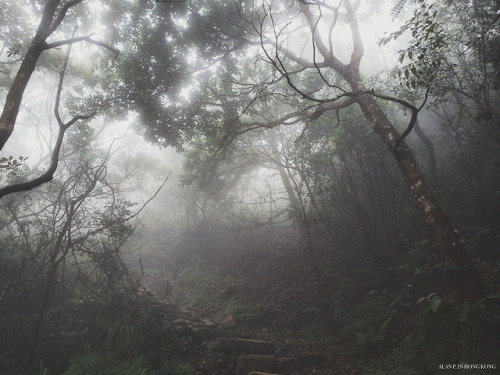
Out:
{"x": 181, "y": 330}
{"x": 205, "y": 323}
{"x": 185, "y": 315}
{"x": 225, "y": 321}
{"x": 247, "y": 363}
{"x": 231, "y": 344}
{"x": 290, "y": 366}
{"x": 213, "y": 333}
{"x": 247, "y": 318}
{"x": 182, "y": 322}
{"x": 261, "y": 373}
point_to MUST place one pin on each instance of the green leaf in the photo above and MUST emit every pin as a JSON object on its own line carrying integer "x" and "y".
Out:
{"x": 435, "y": 304}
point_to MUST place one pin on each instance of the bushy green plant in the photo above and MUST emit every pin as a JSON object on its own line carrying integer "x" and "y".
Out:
{"x": 175, "y": 367}
{"x": 100, "y": 364}
{"x": 366, "y": 321}
{"x": 402, "y": 359}
{"x": 197, "y": 284}
{"x": 242, "y": 309}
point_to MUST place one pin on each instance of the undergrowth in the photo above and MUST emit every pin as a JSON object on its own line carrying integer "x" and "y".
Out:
{"x": 101, "y": 364}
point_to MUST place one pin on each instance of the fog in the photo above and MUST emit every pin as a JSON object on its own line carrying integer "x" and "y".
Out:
{"x": 250, "y": 187}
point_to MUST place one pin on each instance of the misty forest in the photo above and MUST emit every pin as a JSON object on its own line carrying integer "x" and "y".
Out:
{"x": 249, "y": 187}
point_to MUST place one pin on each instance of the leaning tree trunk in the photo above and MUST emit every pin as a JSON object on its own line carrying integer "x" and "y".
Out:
{"x": 15, "y": 94}
{"x": 448, "y": 245}
{"x": 28, "y": 65}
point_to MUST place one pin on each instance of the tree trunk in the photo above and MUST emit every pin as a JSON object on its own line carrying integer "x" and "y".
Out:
{"x": 431, "y": 155}
{"x": 37, "y": 46}
{"x": 448, "y": 245}
{"x": 15, "y": 95}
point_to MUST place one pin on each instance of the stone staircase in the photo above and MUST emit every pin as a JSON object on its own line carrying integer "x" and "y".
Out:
{"x": 224, "y": 350}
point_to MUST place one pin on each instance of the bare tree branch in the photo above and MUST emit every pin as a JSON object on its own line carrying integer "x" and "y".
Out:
{"x": 358, "y": 47}
{"x": 62, "y": 13}
{"x": 83, "y": 39}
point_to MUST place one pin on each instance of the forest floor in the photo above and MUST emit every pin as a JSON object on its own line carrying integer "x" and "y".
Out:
{"x": 268, "y": 311}
{"x": 364, "y": 323}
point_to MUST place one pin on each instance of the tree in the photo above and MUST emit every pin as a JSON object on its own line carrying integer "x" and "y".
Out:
{"x": 172, "y": 50}
{"x": 54, "y": 12}
{"x": 67, "y": 236}
{"x": 342, "y": 86}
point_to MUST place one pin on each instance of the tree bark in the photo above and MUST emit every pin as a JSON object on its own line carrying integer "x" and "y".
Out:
{"x": 51, "y": 19}
{"x": 16, "y": 92}
{"x": 449, "y": 247}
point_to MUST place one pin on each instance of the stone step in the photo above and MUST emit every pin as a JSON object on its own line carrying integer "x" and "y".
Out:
{"x": 213, "y": 333}
{"x": 231, "y": 344}
{"x": 262, "y": 364}
{"x": 246, "y": 364}
{"x": 290, "y": 366}
{"x": 187, "y": 315}
{"x": 190, "y": 323}
{"x": 311, "y": 358}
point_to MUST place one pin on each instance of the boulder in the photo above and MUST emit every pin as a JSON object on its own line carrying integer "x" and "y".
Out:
{"x": 231, "y": 344}
{"x": 182, "y": 322}
{"x": 225, "y": 321}
{"x": 245, "y": 364}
